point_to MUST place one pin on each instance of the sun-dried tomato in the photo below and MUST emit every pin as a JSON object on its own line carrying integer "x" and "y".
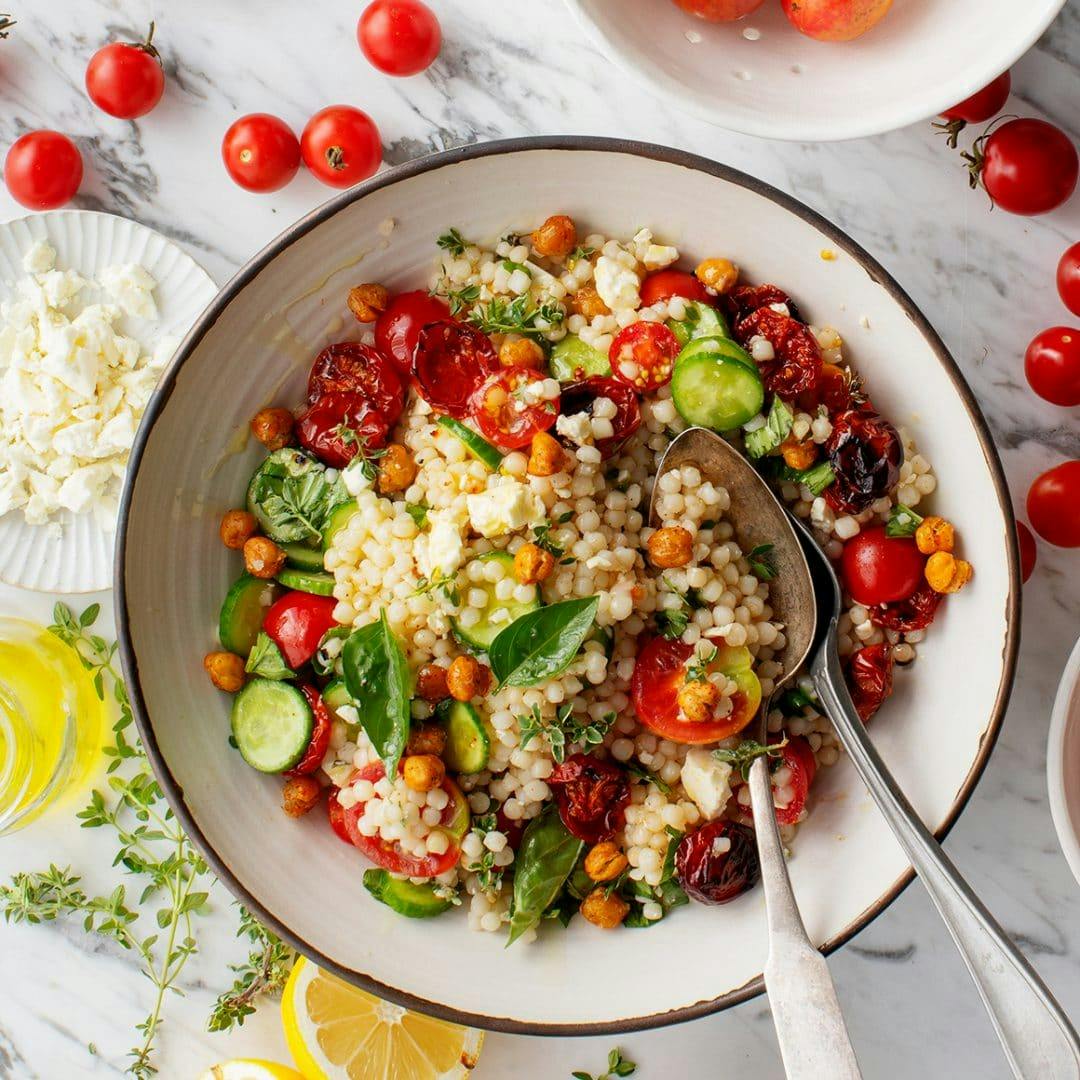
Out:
{"x": 712, "y": 872}
{"x": 833, "y": 391}
{"x": 870, "y": 678}
{"x": 865, "y": 452}
{"x": 796, "y": 368}
{"x": 915, "y": 613}
{"x": 592, "y": 797}
{"x": 451, "y": 361}
{"x": 744, "y": 300}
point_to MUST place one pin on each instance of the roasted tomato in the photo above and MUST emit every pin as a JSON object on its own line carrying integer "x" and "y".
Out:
{"x": 833, "y": 390}
{"x": 352, "y": 367}
{"x": 337, "y": 817}
{"x": 796, "y": 367}
{"x": 881, "y": 569}
{"x": 320, "y": 735}
{"x": 297, "y": 622}
{"x": 713, "y": 872}
{"x": 508, "y": 410}
{"x": 397, "y": 329}
{"x": 659, "y": 673}
{"x": 592, "y": 797}
{"x": 335, "y": 427}
{"x": 915, "y": 613}
{"x": 642, "y": 355}
{"x": 866, "y": 453}
{"x": 744, "y": 300}
{"x": 579, "y": 397}
{"x": 794, "y": 772}
{"x": 663, "y": 284}
{"x": 451, "y": 361}
{"x": 869, "y": 673}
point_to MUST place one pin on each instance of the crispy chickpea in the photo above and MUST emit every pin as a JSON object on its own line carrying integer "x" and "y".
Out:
{"x": 670, "y": 547}
{"x": 262, "y": 557}
{"x": 717, "y": 274}
{"x": 586, "y": 302}
{"x": 698, "y": 700}
{"x": 605, "y": 862}
{"x": 466, "y": 678}
{"x": 606, "y": 912}
{"x": 367, "y": 302}
{"x": 300, "y": 795}
{"x": 427, "y": 739}
{"x": 226, "y": 671}
{"x": 273, "y": 428}
{"x": 521, "y": 352}
{"x": 556, "y": 238}
{"x": 945, "y": 573}
{"x": 237, "y": 528}
{"x": 935, "y": 534}
{"x": 431, "y": 683}
{"x": 532, "y": 564}
{"x": 798, "y": 453}
{"x": 397, "y": 470}
{"x": 545, "y": 455}
{"x": 423, "y": 772}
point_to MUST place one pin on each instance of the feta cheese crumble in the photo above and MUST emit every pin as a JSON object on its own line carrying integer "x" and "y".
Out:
{"x": 504, "y": 509}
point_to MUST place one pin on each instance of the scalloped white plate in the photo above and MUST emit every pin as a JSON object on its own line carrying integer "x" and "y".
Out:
{"x": 1063, "y": 762}
{"x": 80, "y": 560}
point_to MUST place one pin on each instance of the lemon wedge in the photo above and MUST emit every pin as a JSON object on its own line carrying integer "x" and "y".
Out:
{"x": 338, "y": 1032}
{"x": 250, "y": 1069}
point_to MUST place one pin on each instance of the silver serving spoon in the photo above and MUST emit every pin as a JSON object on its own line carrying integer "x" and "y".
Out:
{"x": 810, "y": 1029}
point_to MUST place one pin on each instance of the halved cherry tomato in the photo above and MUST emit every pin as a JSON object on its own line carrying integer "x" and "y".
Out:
{"x": 581, "y": 396}
{"x": 869, "y": 674}
{"x": 336, "y": 813}
{"x": 505, "y": 410}
{"x": 833, "y": 390}
{"x": 296, "y": 624}
{"x": 643, "y": 354}
{"x": 667, "y": 283}
{"x": 1028, "y": 551}
{"x": 659, "y": 673}
{"x": 320, "y": 735}
{"x": 451, "y": 361}
{"x": 352, "y": 366}
{"x": 801, "y": 765}
{"x": 592, "y": 796}
{"x": 398, "y": 328}
{"x": 881, "y": 569}
{"x": 335, "y": 427}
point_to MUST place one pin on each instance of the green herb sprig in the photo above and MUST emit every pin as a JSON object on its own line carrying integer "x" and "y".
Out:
{"x": 617, "y": 1066}
{"x": 564, "y": 730}
{"x": 762, "y": 562}
{"x": 903, "y": 521}
{"x": 453, "y": 243}
{"x": 744, "y": 755}
{"x": 517, "y": 316}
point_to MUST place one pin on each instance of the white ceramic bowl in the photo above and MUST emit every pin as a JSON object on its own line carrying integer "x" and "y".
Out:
{"x": 762, "y": 77}
{"x": 254, "y": 346}
{"x": 1063, "y": 762}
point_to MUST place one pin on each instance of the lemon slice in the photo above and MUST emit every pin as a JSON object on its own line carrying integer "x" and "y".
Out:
{"x": 250, "y": 1069}
{"x": 337, "y": 1032}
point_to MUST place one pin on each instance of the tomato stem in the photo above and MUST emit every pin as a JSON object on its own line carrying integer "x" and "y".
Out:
{"x": 951, "y": 129}
{"x": 6, "y": 23}
{"x": 147, "y": 45}
{"x": 335, "y": 158}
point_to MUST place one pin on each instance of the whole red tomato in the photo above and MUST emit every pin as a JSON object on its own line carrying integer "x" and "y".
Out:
{"x": 1053, "y": 505}
{"x": 399, "y": 37}
{"x": 835, "y": 20}
{"x": 1026, "y": 166}
{"x": 1052, "y": 365}
{"x": 296, "y": 624}
{"x": 43, "y": 170}
{"x": 719, "y": 10}
{"x": 125, "y": 78}
{"x": 261, "y": 152}
{"x": 881, "y": 569}
{"x": 1028, "y": 552}
{"x": 1068, "y": 279}
{"x": 984, "y": 104}
{"x": 341, "y": 146}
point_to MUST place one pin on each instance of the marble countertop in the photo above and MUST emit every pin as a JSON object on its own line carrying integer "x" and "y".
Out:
{"x": 984, "y": 280}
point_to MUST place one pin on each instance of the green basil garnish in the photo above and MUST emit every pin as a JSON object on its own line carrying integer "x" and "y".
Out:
{"x": 547, "y": 854}
{"x": 903, "y": 521}
{"x": 540, "y": 645}
{"x": 266, "y": 661}
{"x": 669, "y": 893}
{"x": 292, "y": 495}
{"x": 776, "y": 429}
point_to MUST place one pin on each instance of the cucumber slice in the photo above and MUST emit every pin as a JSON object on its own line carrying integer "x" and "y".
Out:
{"x": 272, "y": 724}
{"x": 701, "y": 320}
{"x": 716, "y": 385}
{"x": 338, "y": 519}
{"x": 477, "y": 445}
{"x": 242, "y": 613}
{"x": 571, "y": 360}
{"x": 335, "y": 695}
{"x": 309, "y": 581}
{"x": 497, "y": 614}
{"x": 303, "y": 557}
{"x": 405, "y": 897}
{"x": 468, "y": 745}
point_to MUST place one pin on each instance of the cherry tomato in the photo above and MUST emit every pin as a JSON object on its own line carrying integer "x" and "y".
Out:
{"x": 1053, "y": 505}
{"x": 125, "y": 79}
{"x": 719, "y": 10}
{"x": 592, "y": 796}
{"x": 398, "y": 328}
{"x": 336, "y": 814}
{"x": 1027, "y": 166}
{"x": 915, "y": 613}
{"x": 451, "y": 361}
{"x": 320, "y": 735}
{"x": 296, "y": 624}
{"x": 865, "y": 452}
{"x": 1052, "y": 365}
{"x": 833, "y": 390}
{"x": 663, "y": 284}
{"x": 353, "y": 366}
{"x": 984, "y": 104}
{"x": 744, "y": 300}
{"x": 642, "y": 355}
{"x": 712, "y": 873}
{"x": 261, "y": 152}
{"x": 505, "y": 410}
{"x": 869, "y": 674}
{"x": 399, "y": 37}
{"x": 336, "y": 427}
{"x": 341, "y": 146}
{"x": 581, "y": 396}
{"x": 1068, "y": 279}
{"x": 796, "y": 366}
{"x": 1028, "y": 551}
{"x": 43, "y": 170}
{"x": 795, "y": 770}
{"x": 881, "y": 569}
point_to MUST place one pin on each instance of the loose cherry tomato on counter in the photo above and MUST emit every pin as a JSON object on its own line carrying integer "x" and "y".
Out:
{"x": 351, "y": 366}
{"x": 398, "y": 328}
{"x": 399, "y": 37}
{"x": 1053, "y": 505}
{"x": 451, "y": 361}
{"x": 125, "y": 78}
{"x": 719, "y": 10}
{"x": 794, "y": 773}
{"x": 320, "y": 735}
{"x": 915, "y": 613}
{"x": 866, "y": 453}
{"x": 1028, "y": 551}
{"x": 336, "y": 427}
{"x": 642, "y": 355}
{"x": 592, "y": 796}
{"x": 664, "y": 284}
{"x": 581, "y": 397}
{"x": 1068, "y": 279}
{"x": 983, "y": 105}
{"x": 261, "y": 152}
{"x": 713, "y": 872}
{"x": 1052, "y": 365}
{"x": 869, "y": 675}
{"x": 881, "y": 569}
{"x": 43, "y": 170}
{"x": 341, "y": 146}
{"x": 296, "y": 624}
{"x": 509, "y": 409}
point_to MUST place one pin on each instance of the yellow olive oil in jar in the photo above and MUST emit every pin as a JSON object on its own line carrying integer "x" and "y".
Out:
{"x": 50, "y": 721}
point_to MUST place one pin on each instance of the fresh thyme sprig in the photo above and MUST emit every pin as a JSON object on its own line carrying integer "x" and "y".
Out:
{"x": 438, "y": 582}
{"x": 365, "y": 457}
{"x": 698, "y": 668}
{"x": 743, "y": 756}
{"x": 517, "y": 316}
{"x": 671, "y": 622}
{"x": 488, "y": 875}
{"x": 453, "y": 243}
{"x": 563, "y": 730}
{"x": 617, "y": 1066}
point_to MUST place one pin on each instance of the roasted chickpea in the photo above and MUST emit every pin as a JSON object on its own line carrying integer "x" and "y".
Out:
{"x": 262, "y": 557}
{"x": 798, "y": 453}
{"x": 226, "y": 671}
{"x": 606, "y": 912}
{"x": 423, "y": 772}
{"x": 237, "y": 527}
{"x": 717, "y": 274}
{"x": 521, "y": 352}
{"x": 935, "y": 534}
{"x": 427, "y": 739}
{"x": 273, "y": 428}
{"x": 670, "y": 547}
{"x": 300, "y": 794}
{"x": 467, "y": 678}
{"x": 367, "y": 302}
{"x": 605, "y": 862}
{"x": 698, "y": 700}
{"x": 545, "y": 455}
{"x": 431, "y": 683}
{"x": 532, "y": 564}
{"x": 397, "y": 470}
{"x": 945, "y": 573}
{"x": 586, "y": 302}
{"x": 556, "y": 238}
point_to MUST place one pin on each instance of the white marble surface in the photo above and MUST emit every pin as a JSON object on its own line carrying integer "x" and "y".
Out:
{"x": 984, "y": 279}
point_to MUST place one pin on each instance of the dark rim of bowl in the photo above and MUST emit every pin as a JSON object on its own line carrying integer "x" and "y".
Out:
{"x": 680, "y": 158}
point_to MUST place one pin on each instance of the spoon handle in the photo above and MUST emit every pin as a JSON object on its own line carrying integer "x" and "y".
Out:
{"x": 809, "y": 1025}
{"x": 1038, "y": 1039}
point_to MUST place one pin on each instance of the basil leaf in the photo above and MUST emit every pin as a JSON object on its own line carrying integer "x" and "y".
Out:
{"x": 775, "y": 430}
{"x": 378, "y": 680}
{"x": 817, "y": 478}
{"x": 540, "y": 645}
{"x": 903, "y": 521}
{"x": 418, "y": 512}
{"x": 265, "y": 660}
{"x": 292, "y": 494}
{"x": 547, "y": 855}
